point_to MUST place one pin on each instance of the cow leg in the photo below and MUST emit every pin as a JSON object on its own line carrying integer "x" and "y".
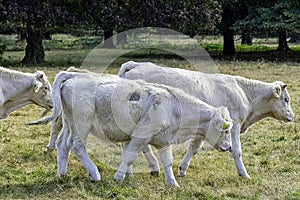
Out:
{"x": 63, "y": 152}
{"x": 124, "y": 149}
{"x": 166, "y": 157}
{"x": 129, "y": 155}
{"x": 237, "y": 152}
{"x": 192, "y": 149}
{"x": 55, "y": 130}
{"x": 152, "y": 161}
{"x": 79, "y": 150}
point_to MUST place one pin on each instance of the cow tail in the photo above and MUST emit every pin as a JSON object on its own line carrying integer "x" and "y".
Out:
{"x": 56, "y": 97}
{"x": 56, "y": 91}
{"x": 127, "y": 67}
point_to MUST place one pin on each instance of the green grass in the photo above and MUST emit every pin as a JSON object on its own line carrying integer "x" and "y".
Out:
{"x": 271, "y": 155}
{"x": 71, "y": 50}
{"x": 244, "y": 48}
{"x": 271, "y": 149}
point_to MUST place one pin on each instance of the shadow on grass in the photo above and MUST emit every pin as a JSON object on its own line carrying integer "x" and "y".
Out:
{"x": 77, "y": 187}
{"x": 26, "y": 190}
{"x": 273, "y": 56}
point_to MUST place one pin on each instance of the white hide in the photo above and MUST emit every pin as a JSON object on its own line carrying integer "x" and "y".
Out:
{"x": 135, "y": 112}
{"x": 247, "y": 100}
{"x": 18, "y": 89}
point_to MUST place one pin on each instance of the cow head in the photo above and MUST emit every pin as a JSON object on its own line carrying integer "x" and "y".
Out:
{"x": 218, "y": 134}
{"x": 280, "y": 102}
{"x": 42, "y": 92}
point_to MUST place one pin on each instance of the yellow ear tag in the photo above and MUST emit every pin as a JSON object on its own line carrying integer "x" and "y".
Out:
{"x": 224, "y": 126}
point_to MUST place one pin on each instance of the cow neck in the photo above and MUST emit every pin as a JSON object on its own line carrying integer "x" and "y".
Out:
{"x": 192, "y": 109}
{"x": 10, "y": 106}
{"x": 18, "y": 86}
{"x": 15, "y": 92}
{"x": 258, "y": 94}
{"x": 197, "y": 114}
{"x": 12, "y": 74}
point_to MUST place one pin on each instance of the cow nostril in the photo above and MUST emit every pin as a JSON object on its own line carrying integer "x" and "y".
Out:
{"x": 226, "y": 149}
{"x": 289, "y": 118}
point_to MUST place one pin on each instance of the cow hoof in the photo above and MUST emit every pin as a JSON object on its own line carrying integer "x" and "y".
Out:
{"x": 118, "y": 180}
{"x": 95, "y": 178}
{"x": 48, "y": 150}
{"x": 130, "y": 174}
{"x": 119, "y": 176}
{"x": 173, "y": 184}
{"x": 94, "y": 181}
{"x": 181, "y": 172}
{"x": 245, "y": 176}
{"x": 154, "y": 173}
{"x": 62, "y": 178}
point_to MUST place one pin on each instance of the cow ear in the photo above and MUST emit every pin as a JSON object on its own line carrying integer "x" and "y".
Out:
{"x": 284, "y": 86}
{"x": 39, "y": 75}
{"x": 39, "y": 78}
{"x": 277, "y": 91}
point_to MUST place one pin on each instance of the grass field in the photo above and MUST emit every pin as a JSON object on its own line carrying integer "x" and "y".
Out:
{"x": 271, "y": 150}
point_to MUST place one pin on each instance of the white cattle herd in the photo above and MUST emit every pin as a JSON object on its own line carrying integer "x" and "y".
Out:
{"x": 146, "y": 105}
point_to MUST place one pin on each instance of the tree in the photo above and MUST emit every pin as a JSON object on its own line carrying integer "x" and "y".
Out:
{"x": 273, "y": 16}
{"x": 246, "y": 38}
{"x": 232, "y": 11}
{"x": 34, "y": 19}
{"x": 189, "y": 17}
{"x": 107, "y": 14}
{"x": 194, "y": 16}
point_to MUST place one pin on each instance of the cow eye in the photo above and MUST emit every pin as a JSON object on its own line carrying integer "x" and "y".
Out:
{"x": 286, "y": 99}
{"x": 228, "y": 120}
{"x": 46, "y": 88}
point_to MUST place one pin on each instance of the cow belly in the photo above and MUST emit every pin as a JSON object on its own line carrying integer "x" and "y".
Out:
{"x": 113, "y": 133}
{"x": 106, "y": 128}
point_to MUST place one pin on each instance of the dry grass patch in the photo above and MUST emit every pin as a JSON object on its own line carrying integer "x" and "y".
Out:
{"x": 271, "y": 155}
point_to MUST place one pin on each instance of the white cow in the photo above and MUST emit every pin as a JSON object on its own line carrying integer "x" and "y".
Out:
{"x": 247, "y": 100}
{"x": 56, "y": 128}
{"x": 18, "y": 89}
{"x": 140, "y": 113}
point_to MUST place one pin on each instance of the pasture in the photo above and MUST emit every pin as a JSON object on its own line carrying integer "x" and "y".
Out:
{"x": 271, "y": 150}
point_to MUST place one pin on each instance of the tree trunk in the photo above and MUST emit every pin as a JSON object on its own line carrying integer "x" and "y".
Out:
{"x": 108, "y": 39}
{"x": 228, "y": 42}
{"x": 34, "y": 52}
{"x": 282, "y": 42}
{"x": 246, "y": 38}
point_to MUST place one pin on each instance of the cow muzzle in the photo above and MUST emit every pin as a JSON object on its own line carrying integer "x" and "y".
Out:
{"x": 223, "y": 148}
{"x": 290, "y": 117}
